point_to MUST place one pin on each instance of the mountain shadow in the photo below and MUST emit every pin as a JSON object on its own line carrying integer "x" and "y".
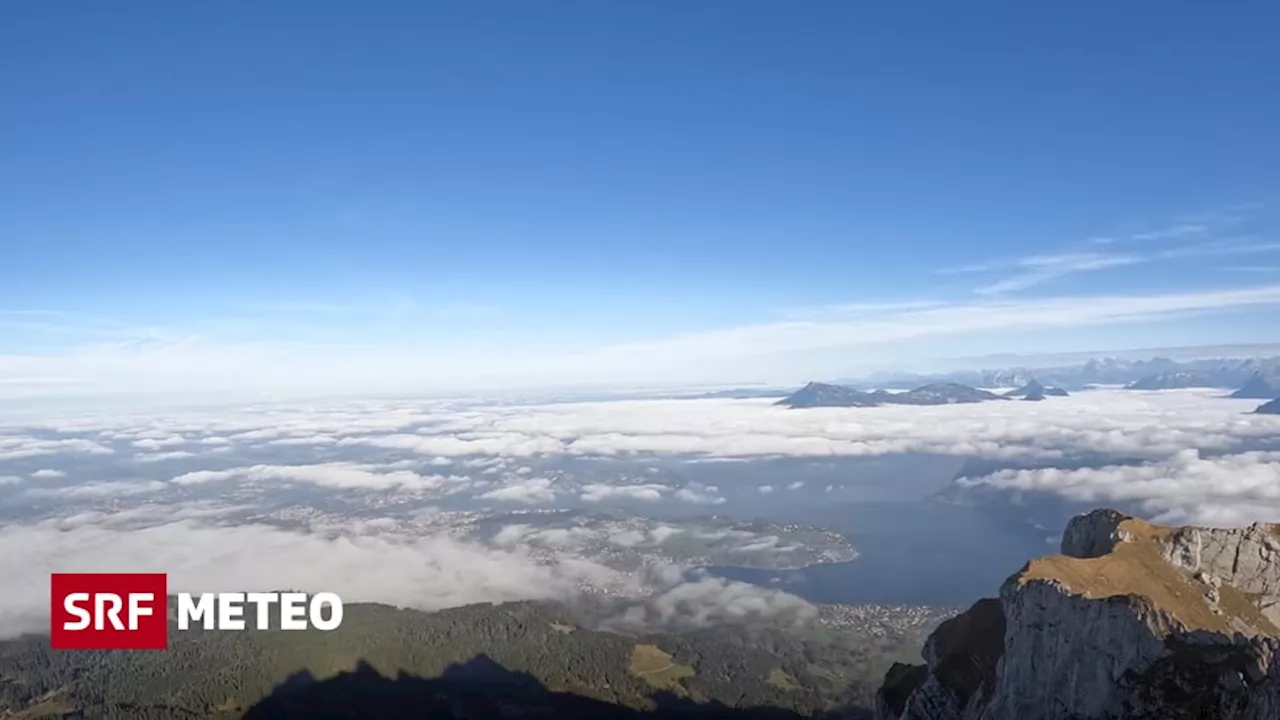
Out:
{"x": 479, "y": 688}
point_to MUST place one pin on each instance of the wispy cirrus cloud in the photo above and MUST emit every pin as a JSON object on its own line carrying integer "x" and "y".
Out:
{"x": 1254, "y": 268}
{"x": 1194, "y": 237}
{"x": 1032, "y": 271}
{"x": 1166, "y": 233}
{"x": 1230, "y": 246}
{"x": 774, "y": 351}
{"x": 51, "y": 325}
{"x": 988, "y": 315}
{"x": 1188, "y": 225}
{"x": 859, "y": 308}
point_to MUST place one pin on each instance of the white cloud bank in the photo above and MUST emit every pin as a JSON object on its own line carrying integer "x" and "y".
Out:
{"x": 362, "y": 562}
{"x": 1226, "y": 490}
{"x": 19, "y": 447}
{"x": 1140, "y": 437}
{"x": 338, "y": 476}
{"x": 1108, "y": 422}
{"x": 1145, "y": 425}
{"x": 530, "y": 492}
{"x": 420, "y": 572}
{"x": 599, "y": 492}
{"x": 709, "y": 600}
{"x": 1151, "y": 438}
{"x": 700, "y": 494}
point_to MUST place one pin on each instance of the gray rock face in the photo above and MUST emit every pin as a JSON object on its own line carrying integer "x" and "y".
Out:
{"x": 1079, "y": 666}
{"x": 1246, "y": 558}
{"x": 1132, "y": 620}
{"x": 1093, "y": 534}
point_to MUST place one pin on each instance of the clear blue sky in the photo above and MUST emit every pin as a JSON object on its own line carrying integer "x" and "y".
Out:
{"x": 462, "y": 184}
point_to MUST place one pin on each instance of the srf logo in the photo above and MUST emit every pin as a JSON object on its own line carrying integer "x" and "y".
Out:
{"x": 108, "y": 611}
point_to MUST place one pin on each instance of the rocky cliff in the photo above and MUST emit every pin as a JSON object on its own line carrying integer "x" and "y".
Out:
{"x": 1131, "y": 620}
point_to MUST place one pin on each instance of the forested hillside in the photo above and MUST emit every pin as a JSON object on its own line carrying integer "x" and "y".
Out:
{"x": 531, "y": 659}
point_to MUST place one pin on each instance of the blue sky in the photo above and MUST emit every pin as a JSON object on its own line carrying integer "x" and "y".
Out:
{"x": 206, "y": 195}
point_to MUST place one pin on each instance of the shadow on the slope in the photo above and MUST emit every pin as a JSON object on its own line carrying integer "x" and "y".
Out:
{"x": 479, "y": 688}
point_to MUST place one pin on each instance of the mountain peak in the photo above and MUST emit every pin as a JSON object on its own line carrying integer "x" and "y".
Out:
{"x": 1130, "y": 620}
{"x": 817, "y": 394}
{"x": 944, "y": 393}
{"x": 1259, "y": 387}
{"x": 1035, "y": 390}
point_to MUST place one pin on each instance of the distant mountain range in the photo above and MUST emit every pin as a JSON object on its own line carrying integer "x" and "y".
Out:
{"x": 1175, "y": 379}
{"x": 1257, "y": 378}
{"x": 1250, "y": 378}
{"x": 1271, "y": 408}
{"x": 817, "y": 394}
{"x": 742, "y": 394}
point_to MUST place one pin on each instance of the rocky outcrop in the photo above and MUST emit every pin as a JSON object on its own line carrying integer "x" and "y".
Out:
{"x": 1131, "y": 620}
{"x": 960, "y": 659}
{"x": 1246, "y": 558}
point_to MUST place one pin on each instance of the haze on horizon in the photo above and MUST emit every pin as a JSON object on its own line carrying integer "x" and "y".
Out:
{"x": 305, "y": 197}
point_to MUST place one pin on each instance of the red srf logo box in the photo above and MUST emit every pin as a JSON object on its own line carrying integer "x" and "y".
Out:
{"x": 108, "y": 611}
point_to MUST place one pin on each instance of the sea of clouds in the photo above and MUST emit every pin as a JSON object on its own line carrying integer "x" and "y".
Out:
{"x": 199, "y": 493}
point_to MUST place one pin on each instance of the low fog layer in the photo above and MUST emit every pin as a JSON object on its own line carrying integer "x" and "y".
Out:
{"x": 1142, "y": 424}
{"x": 382, "y": 501}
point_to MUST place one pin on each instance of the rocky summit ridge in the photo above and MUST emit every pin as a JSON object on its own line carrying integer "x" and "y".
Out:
{"x": 1130, "y": 620}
